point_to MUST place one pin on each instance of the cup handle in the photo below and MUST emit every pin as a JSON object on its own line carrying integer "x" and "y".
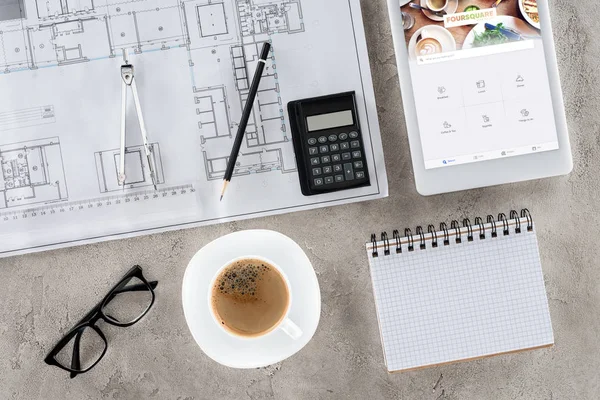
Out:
{"x": 291, "y": 329}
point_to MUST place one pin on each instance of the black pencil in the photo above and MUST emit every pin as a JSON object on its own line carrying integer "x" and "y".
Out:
{"x": 245, "y": 116}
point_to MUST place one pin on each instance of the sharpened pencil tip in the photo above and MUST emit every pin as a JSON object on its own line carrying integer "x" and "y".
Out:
{"x": 225, "y": 183}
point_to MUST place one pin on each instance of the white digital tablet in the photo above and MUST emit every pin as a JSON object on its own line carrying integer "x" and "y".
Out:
{"x": 481, "y": 92}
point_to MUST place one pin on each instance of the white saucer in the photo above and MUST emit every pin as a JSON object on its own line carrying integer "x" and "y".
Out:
{"x": 450, "y": 9}
{"x": 305, "y": 309}
{"x": 442, "y": 35}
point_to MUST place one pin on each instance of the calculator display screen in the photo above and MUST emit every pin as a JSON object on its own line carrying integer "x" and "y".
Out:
{"x": 331, "y": 120}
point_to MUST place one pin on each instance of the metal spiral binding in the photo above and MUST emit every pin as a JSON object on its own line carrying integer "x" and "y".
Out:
{"x": 432, "y": 234}
{"x": 467, "y": 224}
{"x": 502, "y": 217}
{"x": 456, "y": 226}
{"x": 422, "y": 245}
{"x": 444, "y": 228}
{"x": 375, "y": 254}
{"x": 398, "y": 242}
{"x": 491, "y": 220}
{"x": 526, "y": 214}
{"x": 386, "y": 244}
{"x": 479, "y": 222}
{"x": 515, "y": 215}
{"x": 411, "y": 242}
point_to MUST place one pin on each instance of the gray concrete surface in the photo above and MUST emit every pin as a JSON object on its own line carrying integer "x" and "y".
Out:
{"x": 43, "y": 294}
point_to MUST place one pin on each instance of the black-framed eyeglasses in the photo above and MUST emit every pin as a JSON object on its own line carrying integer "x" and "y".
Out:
{"x": 84, "y": 346}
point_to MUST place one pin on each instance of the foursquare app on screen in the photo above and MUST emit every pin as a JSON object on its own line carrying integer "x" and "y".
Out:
{"x": 480, "y": 81}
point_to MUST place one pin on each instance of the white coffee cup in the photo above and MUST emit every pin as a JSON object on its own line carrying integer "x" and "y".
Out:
{"x": 285, "y": 324}
{"x": 437, "y": 5}
{"x": 276, "y": 346}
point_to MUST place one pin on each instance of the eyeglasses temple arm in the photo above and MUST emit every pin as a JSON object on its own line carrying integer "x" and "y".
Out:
{"x": 75, "y": 361}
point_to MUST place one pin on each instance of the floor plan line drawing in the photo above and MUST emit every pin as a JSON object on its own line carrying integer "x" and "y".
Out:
{"x": 247, "y": 163}
{"x": 61, "y": 32}
{"x": 212, "y": 19}
{"x": 258, "y": 18}
{"x": 55, "y": 9}
{"x": 32, "y": 173}
{"x": 138, "y": 29}
{"x": 65, "y": 32}
{"x": 14, "y": 45}
{"x": 267, "y": 146}
{"x": 137, "y": 170}
{"x": 213, "y": 112}
{"x": 71, "y": 26}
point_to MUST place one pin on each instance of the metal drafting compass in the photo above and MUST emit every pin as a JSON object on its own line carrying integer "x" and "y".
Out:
{"x": 128, "y": 81}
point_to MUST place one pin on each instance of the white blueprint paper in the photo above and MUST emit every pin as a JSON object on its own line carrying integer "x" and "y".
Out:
{"x": 60, "y": 99}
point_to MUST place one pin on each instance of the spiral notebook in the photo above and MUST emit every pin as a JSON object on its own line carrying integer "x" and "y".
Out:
{"x": 459, "y": 293}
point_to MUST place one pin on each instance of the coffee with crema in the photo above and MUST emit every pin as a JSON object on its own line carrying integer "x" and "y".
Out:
{"x": 250, "y": 297}
{"x": 428, "y": 46}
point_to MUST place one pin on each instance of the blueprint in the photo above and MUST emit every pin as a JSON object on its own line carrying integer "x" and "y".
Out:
{"x": 60, "y": 112}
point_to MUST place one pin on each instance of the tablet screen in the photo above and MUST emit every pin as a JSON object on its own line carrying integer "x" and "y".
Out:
{"x": 480, "y": 80}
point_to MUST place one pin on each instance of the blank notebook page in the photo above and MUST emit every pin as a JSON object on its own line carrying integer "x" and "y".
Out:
{"x": 461, "y": 301}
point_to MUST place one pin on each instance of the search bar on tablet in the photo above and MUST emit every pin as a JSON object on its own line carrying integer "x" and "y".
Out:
{"x": 475, "y": 52}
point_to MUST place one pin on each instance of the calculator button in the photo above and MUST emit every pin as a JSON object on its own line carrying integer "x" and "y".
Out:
{"x": 339, "y": 178}
{"x": 317, "y": 171}
{"x": 312, "y": 141}
{"x": 346, "y": 156}
{"x": 328, "y": 180}
{"x": 334, "y": 147}
{"x": 325, "y": 159}
{"x": 360, "y": 174}
{"x": 336, "y": 158}
{"x": 344, "y": 146}
{"x": 343, "y": 136}
{"x": 313, "y": 151}
{"x": 333, "y": 138}
{"x": 356, "y": 154}
{"x": 349, "y": 172}
{"x": 337, "y": 168}
{"x": 315, "y": 161}
{"x": 358, "y": 164}
{"x": 318, "y": 181}
{"x": 323, "y": 139}
{"x": 355, "y": 144}
{"x": 324, "y": 149}
{"x": 353, "y": 135}
{"x": 326, "y": 170}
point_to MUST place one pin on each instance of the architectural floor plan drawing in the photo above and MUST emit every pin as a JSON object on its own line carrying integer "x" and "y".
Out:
{"x": 32, "y": 172}
{"x": 267, "y": 146}
{"x": 194, "y": 61}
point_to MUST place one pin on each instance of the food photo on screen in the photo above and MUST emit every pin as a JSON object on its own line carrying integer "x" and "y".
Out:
{"x": 433, "y": 27}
